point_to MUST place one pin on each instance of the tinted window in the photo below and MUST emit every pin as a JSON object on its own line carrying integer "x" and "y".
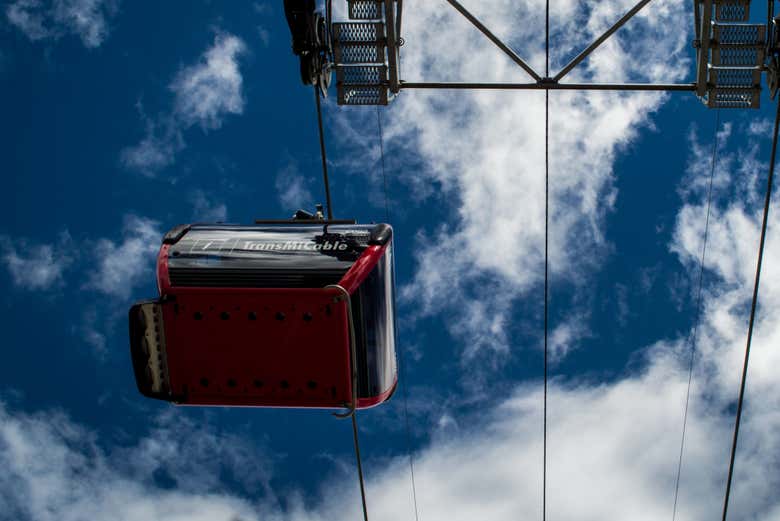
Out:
{"x": 373, "y": 312}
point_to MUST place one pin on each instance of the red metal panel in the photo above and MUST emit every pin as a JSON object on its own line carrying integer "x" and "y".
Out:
{"x": 258, "y": 347}
{"x": 163, "y": 277}
{"x": 353, "y": 278}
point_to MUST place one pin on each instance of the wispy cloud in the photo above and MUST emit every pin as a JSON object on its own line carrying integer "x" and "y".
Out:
{"x": 205, "y": 209}
{"x": 204, "y": 94}
{"x": 39, "y": 20}
{"x": 262, "y": 8}
{"x": 567, "y": 335}
{"x": 292, "y": 188}
{"x": 156, "y": 151}
{"x": 54, "y": 469}
{"x": 264, "y": 35}
{"x": 121, "y": 265}
{"x": 91, "y": 332}
{"x": 211, "y": 89}
{"x": 37, "y": 266}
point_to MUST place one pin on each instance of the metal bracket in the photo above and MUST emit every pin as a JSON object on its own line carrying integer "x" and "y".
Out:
{"x": 392, "y": 46}
{"x": 773, "y": 76}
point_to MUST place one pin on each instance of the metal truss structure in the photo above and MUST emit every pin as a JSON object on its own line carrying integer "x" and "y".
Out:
{"x": 730, "y": 56}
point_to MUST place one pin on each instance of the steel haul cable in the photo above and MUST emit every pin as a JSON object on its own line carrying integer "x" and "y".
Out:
{"x": 353, "y": 413}
{"x": 753, "y": 306}
{"x": 546, "y": 289}
{"x": 402, "y": 362}
{"x": 546, "y": 245}
{"x": 697, "y": 319}
{"x": 325, "y": 180}
{"x": 359, "y": 465}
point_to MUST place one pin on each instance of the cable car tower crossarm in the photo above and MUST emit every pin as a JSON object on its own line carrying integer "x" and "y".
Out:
{"x": 729, "y": 63}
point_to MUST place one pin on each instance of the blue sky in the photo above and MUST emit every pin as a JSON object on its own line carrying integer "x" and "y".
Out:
{"x": 122, "y": 119}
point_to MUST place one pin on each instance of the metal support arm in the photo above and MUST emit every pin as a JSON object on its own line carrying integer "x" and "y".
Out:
{"x": 548, "y": 85}
{"x": 493, "y": 38}
{"x": 584, "y": 54}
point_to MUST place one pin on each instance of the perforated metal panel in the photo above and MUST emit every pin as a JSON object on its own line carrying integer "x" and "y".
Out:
{"x": 734, "y": 87}
{"x": 358, "y": 32}
{"x": 737, "y": 56}
{"x": 362, "y": 84}
{"x": 735, "y": 77}
{"x": 738, "y": 45}
{"x": 362, "y": 74}
{"x": 733, "y": 98}
{"x": 365, "y": 9}
{"x": 376, "y": 95}
{"x": 739, "y": 34}
{"x": 359, "y": 53}
{"x": 359, "y": 43}
{"x": 732, "y": 10}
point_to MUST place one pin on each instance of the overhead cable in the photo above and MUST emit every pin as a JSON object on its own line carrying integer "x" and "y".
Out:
{"x": 697, "y": 318}
{"x": 753, "y": 306}
{"x": 402, "y": 362}
{"x": 325, "y": 180}
{"x": 546, "y": 247}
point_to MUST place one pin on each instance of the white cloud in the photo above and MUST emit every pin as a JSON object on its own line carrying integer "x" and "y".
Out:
{"x": 293, "y": 188}
{"x": 88, "y": 19}
{"x": 89, "y": 331}
{"x": 53, "y": 469}
{"x": 37, "y": 266}
{"x": 29, "y": 18}
{"x": 207, "y": 210}
{"x": 264, "y": 35}
{"x": 567, "y": 335}
{"x": 204, "y": 93}
{"x": 211, "y": 89}
{"x": 156, "y": 151}
{"x": 122, "y": 265}
{"x": 262, "y": 8}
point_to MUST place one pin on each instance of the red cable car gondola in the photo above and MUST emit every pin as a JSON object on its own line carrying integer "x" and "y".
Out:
{"x": 289, "y": 314}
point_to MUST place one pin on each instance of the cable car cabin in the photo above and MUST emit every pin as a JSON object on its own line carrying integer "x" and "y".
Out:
{"x": 269, "y": 316}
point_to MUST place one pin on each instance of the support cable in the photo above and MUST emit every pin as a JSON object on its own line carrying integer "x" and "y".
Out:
{"x": 325, "y": 180}
{"x": 382, "y": 157}
{"x": 546, "y": 287}
{"x": 352, "y": 407}
{"x": 359, "y": 466}
{"x": 546, "y": 246}
{"x": 697, "y": 318}
{"x": 402, "y": 362}
{"x": 753, "y": 306}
